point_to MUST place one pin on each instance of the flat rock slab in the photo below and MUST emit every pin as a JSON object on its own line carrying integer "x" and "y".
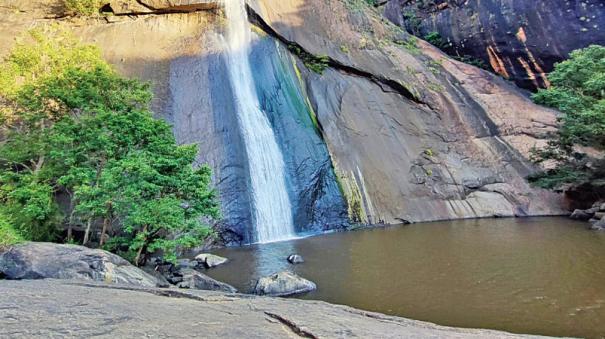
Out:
{"x": 54, "y": 308}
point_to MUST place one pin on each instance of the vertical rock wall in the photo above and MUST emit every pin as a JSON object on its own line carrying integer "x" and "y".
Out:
{"x": 518, "y": 39}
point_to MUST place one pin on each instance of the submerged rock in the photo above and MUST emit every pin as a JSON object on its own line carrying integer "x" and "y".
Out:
{"x": 196, "y": 280}
{"x": 210, "y": 260}
{"x": 295, "y": 259}
{"x": 45, "y": 260}
{"x": 283, "y": 284}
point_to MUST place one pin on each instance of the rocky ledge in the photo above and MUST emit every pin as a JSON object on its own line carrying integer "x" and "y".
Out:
{"x": 58, "y": 308}
{"x": 594, "y": 215}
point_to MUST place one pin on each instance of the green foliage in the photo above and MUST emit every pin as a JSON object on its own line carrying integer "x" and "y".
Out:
{"x": 317, "y": 64}
{"x": 83, "y": 7}
{"x": 411, "y": 44}
{"x": 84, "y": 132}
{"x": 578, "y": 90}
{"x": 44, "y": 53}
{"x": 28, "y": 200}
{"x": 8, "y": 235}
{"x": 359, "y": 5}
{"x": 435, "y": 39}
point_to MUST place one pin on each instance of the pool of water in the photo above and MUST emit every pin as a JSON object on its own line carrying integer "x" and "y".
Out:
{"x": 539, "y": 276}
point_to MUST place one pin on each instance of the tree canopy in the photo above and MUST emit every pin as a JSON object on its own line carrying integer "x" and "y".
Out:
{"x": 76, "y": 133}
{"x": 578, "y": 90}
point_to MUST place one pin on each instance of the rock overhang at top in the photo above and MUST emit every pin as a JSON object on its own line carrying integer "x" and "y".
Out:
{"x": 125, "y": 7}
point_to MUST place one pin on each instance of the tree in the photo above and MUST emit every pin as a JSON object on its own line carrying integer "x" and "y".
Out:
{"x": 79, "y": 129}
{"x": 578, "y": 90}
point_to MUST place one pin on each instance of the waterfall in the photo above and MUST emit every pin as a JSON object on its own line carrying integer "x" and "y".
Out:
{"x": 271, "y": 208}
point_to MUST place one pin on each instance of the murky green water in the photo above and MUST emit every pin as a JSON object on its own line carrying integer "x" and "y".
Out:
{"x": 540, "y": 276}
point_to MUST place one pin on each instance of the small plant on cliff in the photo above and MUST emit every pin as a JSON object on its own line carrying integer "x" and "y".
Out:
{"x": 82, "y": 7}
{"x": 578, "y": 90}
{"x": 76, "y": 133}
{"x": 435, "y": 39}
{"x": 317, "y": 64}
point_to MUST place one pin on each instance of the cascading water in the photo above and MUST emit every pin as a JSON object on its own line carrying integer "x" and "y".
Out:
{"x": 271, "y": 210}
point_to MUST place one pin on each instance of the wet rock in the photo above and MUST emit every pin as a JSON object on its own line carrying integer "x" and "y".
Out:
{"x": 45, "y": 260}
{"x": 283, "y": 284}
{"x": 196, "y": 280}
{"x": 187, "y": 263}
{"x": 295, "y": 259}
{"x": 210, "y": 260}
{"x": 583, "y": 215}
{"x": 599, "y": 225}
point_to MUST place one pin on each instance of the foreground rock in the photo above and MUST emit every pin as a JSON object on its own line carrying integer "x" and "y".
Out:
{"x": 210, "y": 260}
{"x": 196, "y": 280}
{"x": 283, "y": 284}
{"x": 45, "y": 309}
{"x": 46, "y": 260}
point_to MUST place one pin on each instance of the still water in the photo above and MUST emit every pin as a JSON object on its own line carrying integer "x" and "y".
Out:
{"x": 539, "y": 276}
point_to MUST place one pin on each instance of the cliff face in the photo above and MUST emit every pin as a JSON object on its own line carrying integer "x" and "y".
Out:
{"x": 392, "y": 131}
{"x": 414, "y": 135}
{"x": 520, "y": 40}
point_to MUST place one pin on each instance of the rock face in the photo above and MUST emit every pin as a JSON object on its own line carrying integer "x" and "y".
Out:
{"x": 520, "y": 40}
{"x": 283, "y": 284}
{"x": 45, "y": 309}
{"x": 46, "y": 260}
{"x": 392, "y": 131}
{"x": 133, "y": 7}
{"x": 413, "y": 135}
{"x": 196, "y": 280}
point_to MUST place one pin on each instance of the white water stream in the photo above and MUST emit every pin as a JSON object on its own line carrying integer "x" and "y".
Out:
{"x": 271, "y": 207}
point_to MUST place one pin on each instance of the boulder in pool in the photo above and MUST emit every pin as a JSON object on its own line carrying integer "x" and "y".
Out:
{"x": 295, "y": 259}
{"x": 598, "y": 225}
{"x": 283, "y": 284}
{"x": 210, "y": 260}
{"x": 583, "y": 215}
{"x": 35, "y": 260}
{"x": 195, "y": 280}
